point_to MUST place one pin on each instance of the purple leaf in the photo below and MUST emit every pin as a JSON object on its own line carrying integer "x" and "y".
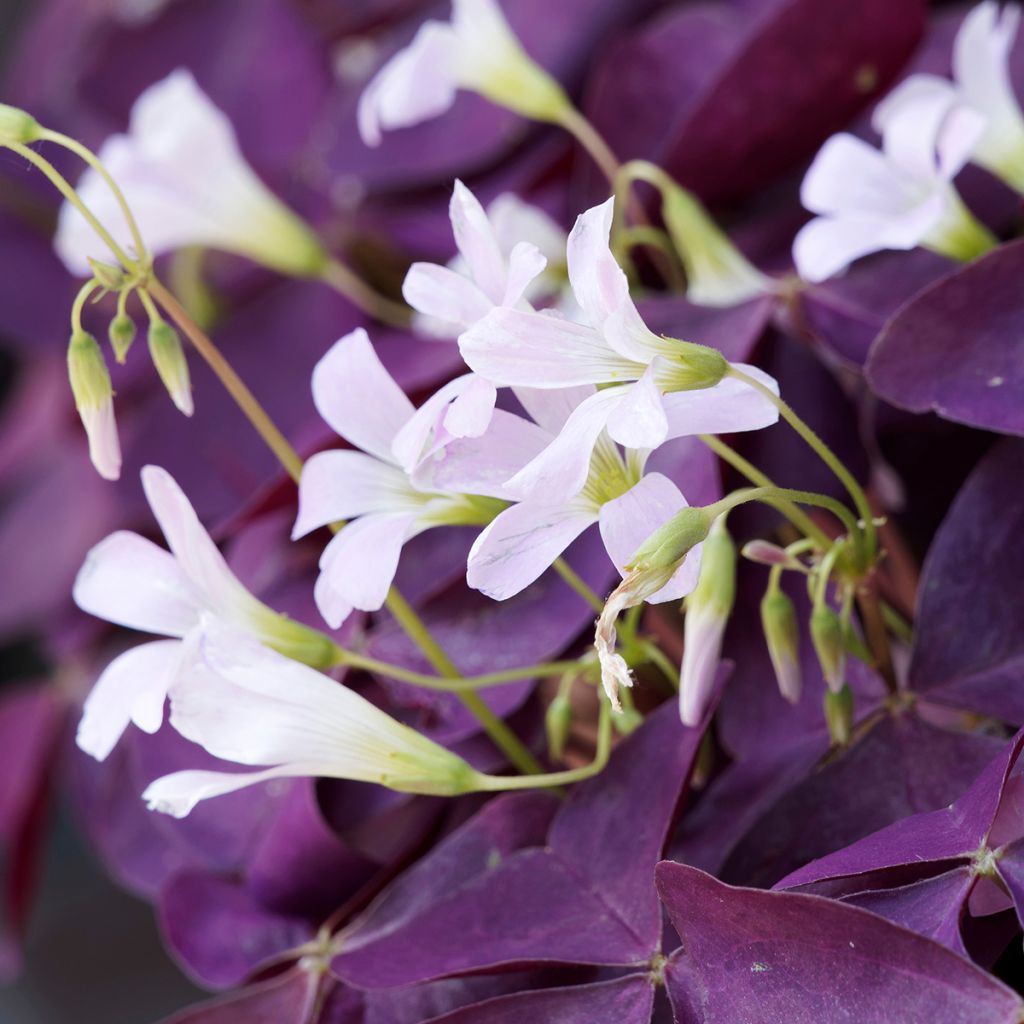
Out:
{"x": 969, "y": 649}
{"x": 764, "y": 957}
{"x": 958, "y": 346}
{"x": 735, "y": 331}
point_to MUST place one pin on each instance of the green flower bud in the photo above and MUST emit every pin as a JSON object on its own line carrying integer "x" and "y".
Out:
{"x": 672, "y": 542}
{"x": 121, "y": 334}
{"x": 839, "y": 714}
{"x": 169, "y": 360}
{"x": 778, "y": 620}
{"x": 94, "y": 399}
{"x": 110, "y": 277}
{"x": 557, "y": 723}
{"x": 17, "y": 126}
{"x": 827, "y": 636}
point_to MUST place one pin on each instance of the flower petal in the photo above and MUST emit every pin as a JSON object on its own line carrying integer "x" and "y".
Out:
{"x": 358, "y": 398}
{"x": 525, "y": 263}
{"x": 132, "y": 688}
{"x": 849, "y": 176}
{"x": 639, "y": 420}
{"x": 826, "y": 246}
{"x": 731, "y": 406}
{"x": 476, "y": 241}
{"x": 178, "y": 793}
{"x": 445, "y": 295}
{"x": 131, "y": 581}
{"x": 523, "y": 541}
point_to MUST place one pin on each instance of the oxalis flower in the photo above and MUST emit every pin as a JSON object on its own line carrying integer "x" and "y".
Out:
{"x": 898, "y": 198}
{"x": 130, "y": 581}
{"x": 247, "y": 705}
{"x": 523, "y": 541}
{"x": 476, "y": 50}
{"x": 663, "y": 388}
{"x": 502, "y": 253}
{"x": 387, "y": 486}
{"x": 187, "y": 183}
{"x": 981, "y": 59}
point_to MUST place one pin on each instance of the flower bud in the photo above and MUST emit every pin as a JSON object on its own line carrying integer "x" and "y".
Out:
{"x": 827, "y": 636}
{"x": 672, "y": 542}
{"x": 764, "y": 552}
{"x": 17, "y": 126}
{"x": 839, "y": 714}
{"x": 94, "y": 399}
{"x": 110, "y": 277}
{"x": 121, "y": 335}
{"x": 778, "y": 620}
{"x": 707, "y": 612}
{"x": 557, "y": 723}
{"x": 169, "y": 360}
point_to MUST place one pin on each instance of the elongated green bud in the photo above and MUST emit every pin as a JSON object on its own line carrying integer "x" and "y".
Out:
{"x": 827, "y": 636}
{"x": 17, "y": 126}
{"x": 557, "y": 723}
{"x": 94, "y": 399}
{"x": 839, "y": 714}
{"x": 121, "y": 334}
{"x": 672, "y": 542}
{"x": 782, "y": 634}
{"x": 169, "y": 360}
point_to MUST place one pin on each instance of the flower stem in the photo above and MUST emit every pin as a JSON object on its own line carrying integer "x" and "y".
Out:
{"x": 339, "y": 277}
{"x": 823, "y": 451}
{"x": 590, "y": 139}
{"x": 79, "y": 304}
{"x": 774, "y": 496}
{"x": 566, "y": 571}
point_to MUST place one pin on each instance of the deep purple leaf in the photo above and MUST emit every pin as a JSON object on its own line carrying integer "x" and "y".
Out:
{"x": 764, "y": 957}
{"x": 958, "y": 346}
{"x": 735, "y": 331}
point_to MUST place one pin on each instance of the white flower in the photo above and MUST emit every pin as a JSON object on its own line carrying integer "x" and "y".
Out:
{"x": 187, "y": 183}
{"x": 245, "y": 704}
{"x": 981, "y": 59}
{"x": 129, "y": 580}
{"x": 476, "y": 50}
{"x": 897, "y": 198}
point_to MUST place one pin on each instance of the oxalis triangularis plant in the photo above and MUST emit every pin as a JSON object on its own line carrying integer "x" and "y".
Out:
{"x": 570, "y": 414}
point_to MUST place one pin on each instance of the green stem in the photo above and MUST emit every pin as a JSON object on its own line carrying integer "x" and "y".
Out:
{"x": 792, "y": 512}
{"x": 79, "y": 304}
{"x": 495, "y": 783}
{"x": 823, "y": 451}
{"x": 775, "y": 496}
{"x": 64, "y": 188}
{"x": 590, "y": 139}
{"x": 344, "y": 281}
{"x": 896, "y": 624}
{"x": 658, "y": 657}
{"x": 566, "y": 571}
{"x": 93, "y": 161}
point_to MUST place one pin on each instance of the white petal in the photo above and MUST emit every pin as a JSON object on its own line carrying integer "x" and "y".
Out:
{"x": 104, "y": 443}
{"x": 828, "y": 245}
{"x": 520, "y": 544}
{"x": 525, "y": 263}
{"x": 414, "y": 85}
{"x": 515, "y": 221}
{"x": 522, "y": 348}
{"x": 132, "y": 688}
{"x": 445, "y": 295}
{"x": 702, "y": 650}
{"x": 358, "y": 398}
{"x": 551, "y": 407}
{"x": 360, "y": 562}
{"x": 477, "y": 243}
{"x": 639, "y": 420}
{"x": 177, "y": 794}
{"x": 131, "y": 581}
{"x": 343, "y": 484}
{"x": 731, "y": 406}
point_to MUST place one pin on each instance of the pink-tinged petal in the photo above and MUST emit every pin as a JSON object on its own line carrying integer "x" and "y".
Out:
{"x": 131, "y": 581}
{"x": 639, "y": 420}
{"x": 702, "y": 651}
{"x": 343, "y": 484}
{"x": 177, "y": 794}
{"x": 958, "y": 139}
{"x": 470, "y": 411}
{"x": 191, "y": 545}
{"x": 523, "y": 541}
{"x": 358, "y": 398}
{"x": 483, "y": 465}
{"x": 445, "y": 295}
{"x": 826, "y": 246}
{"x": 525, "y": 263}
{"x": 477, "y": 243}
{"x": 561, "y": 470}
{"x": 730, "y": 407}
{"x": 132, "y": 688}
{"x": 551, "y": 407}
{"x": 331, "y": 605}
{"x": 415, "y": 85}
{"x": 850, "y": 176}
{"x": 541, "y": 350}
{"x": 104, "y": 443}
{"x": 360, "y": 562}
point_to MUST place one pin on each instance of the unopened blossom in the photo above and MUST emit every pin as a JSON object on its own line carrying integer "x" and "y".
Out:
{"x": 524, "y": 539}
{"x": 899, "y": 197}
{"x": 385, "y": 485}
{"x": 663, "y": 388}
{"x": 782, "y": 635}
{"x": 187, "y": 183}
{"x": 477, "y": 51}
{"x": 497, "y": 265}
{"x": 982, "y": 82}
{"x": 94, "y": 399}
{"x": 128, "y": 580}
{"x": 17, "y": 126}
{"x": 245, "y": 704}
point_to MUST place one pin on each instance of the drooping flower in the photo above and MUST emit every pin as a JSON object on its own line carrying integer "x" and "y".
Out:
{"x": 476, "y": 50}
{"x": 245, "y": 704}
{"x": 663, "y": 388}
{"x": 187, "y": 183}
{"x": 386, "y": 486}
{"x": 128, "y": 580}
{"x": 898, "y": 198}
{"x": 94, "y": 399}
{"x": 498, "y": 263}
{"x": 981, "y": 58}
